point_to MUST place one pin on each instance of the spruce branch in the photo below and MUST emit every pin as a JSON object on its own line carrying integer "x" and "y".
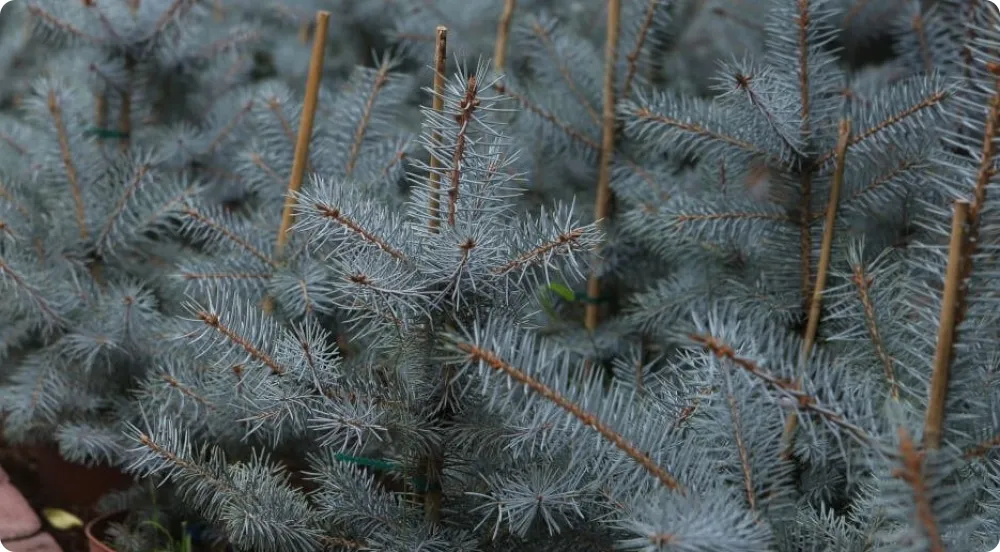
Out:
{"x": 186, "y": 390}
{"x": 214, "y": 321}
{"x": 46, "y": 18}
{"x": 227, "y": 130}
{"x": 577, "y": 238}
{"x": 640, "y": 42}
{"x": 932, "y": 100}
{"x": 805, "y": 401}
{"x": 490, "y": 359}
{"x": 912, "y": 472}
{"x": 467, "y": 108}
{"x": 503, "y": 35}
{"x": 741, "y": 449}
{"x": 564, "y": 71}
{"x": 647, "y": 118}
{"x": 72, "y": 175}
{"x": 602, "y": 203}
{"x": 437, "y": 104}
{"x": 863, "y": 283}
{"x": 982, "y": 449}
{"x": 338, "y": 217}
{"x": 953, "y": 283}
{"x": 24, "y": 284}
{"x": 227, "y": 234}
{"x": 572, "y": 133}
{"x": 381, "y": 77}
{"x": 274, "y": 105}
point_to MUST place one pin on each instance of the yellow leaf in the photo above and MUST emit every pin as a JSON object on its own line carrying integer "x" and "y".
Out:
{"x": 61, "y": 519}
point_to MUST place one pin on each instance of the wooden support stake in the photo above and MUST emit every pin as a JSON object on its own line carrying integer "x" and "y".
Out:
{"x": 938, "y": 395}
{"x": 815, "y": 305}
{"x": 301, "y": 158}
{"x": 503, "y": 35}
{"x": 602, "y": 203}
{"x": 440, "y": 64}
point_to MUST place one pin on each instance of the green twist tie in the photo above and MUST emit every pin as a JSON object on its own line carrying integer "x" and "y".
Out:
{"x": 106, "y": 133}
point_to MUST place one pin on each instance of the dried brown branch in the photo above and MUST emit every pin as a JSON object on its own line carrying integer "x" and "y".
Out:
{"x": 964, "y": 243}
{"x": 826, "y": 247}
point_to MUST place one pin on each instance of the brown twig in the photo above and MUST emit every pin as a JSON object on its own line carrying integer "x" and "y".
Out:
{"x": 602, "y": 203}
{"x": 440, "y": 60}
{"x": 503, "y": 35}
{"x": 934, "y": 421}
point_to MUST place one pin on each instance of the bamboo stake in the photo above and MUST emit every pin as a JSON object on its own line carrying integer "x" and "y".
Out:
{"x": 827, "y": 244}
{"x": 305, "y": 127}
{"x": 934, "y": 421}
{"x": 602, "y": 203}
{"x": 826, "y": 248}
{"x": 503, "y": 35}
{"x": 431, "y": 465}
{"x": 305, "y": 135}
{"x": 440, "y": 60}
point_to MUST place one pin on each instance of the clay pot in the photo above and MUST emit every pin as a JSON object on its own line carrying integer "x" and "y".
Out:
{"x": 94, "y": 531}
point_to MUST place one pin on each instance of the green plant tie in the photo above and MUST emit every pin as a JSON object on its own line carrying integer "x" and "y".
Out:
{"x": 106, "y": 133}
{"x": 419, "y": 482}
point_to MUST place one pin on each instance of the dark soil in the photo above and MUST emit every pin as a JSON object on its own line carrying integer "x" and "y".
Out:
{"x": 21, "y": 466}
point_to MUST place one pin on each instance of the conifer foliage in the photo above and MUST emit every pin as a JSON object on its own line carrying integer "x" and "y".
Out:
{"x": 308, "y": 324}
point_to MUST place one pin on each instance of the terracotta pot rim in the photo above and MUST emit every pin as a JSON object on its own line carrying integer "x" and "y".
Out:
{"x": 95, "y": 542}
